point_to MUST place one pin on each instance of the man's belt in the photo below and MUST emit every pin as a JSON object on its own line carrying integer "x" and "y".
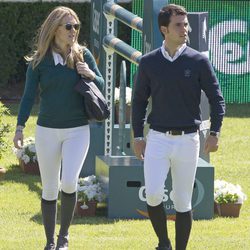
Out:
{"x": 178, "y": 131}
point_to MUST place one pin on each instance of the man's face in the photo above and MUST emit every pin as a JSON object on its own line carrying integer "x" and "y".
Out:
{"x": 177, "y": 31}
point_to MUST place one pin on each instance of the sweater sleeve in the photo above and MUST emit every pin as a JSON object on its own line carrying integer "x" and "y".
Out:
{"x": 209, "y": 84}
{"x": 28, "y": 98}
{"x": 140, "y": 100}
{"x": 89, "y": 59}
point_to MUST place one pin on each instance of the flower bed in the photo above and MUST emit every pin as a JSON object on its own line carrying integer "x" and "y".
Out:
{"x": 27, "y": 156}
{"x": 89, "y": 193}
{"x": 228, "y": 198}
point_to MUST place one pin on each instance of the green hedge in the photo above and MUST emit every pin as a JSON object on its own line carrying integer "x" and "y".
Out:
{"x": 4, "y": 129}
{"x": 19, "y": 23}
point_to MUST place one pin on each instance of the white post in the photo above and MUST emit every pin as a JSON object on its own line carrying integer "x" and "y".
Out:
{"x": 109, "y": 90}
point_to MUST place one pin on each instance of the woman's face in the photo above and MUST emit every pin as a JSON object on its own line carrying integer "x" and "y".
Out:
{"x": 65, "y": 34}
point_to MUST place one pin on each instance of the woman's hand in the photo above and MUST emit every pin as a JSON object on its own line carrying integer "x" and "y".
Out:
{"x": 84, "y": 70}
{"x": 18, "y": 139}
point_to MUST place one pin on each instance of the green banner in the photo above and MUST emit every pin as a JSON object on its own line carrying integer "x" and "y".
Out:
{"x": 229, "y": 44}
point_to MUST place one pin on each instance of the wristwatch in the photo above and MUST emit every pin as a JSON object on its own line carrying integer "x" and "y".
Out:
{"x": 139, "y": 139}
{"x": 19, "y": 128}
{"x": 213, "y": 133}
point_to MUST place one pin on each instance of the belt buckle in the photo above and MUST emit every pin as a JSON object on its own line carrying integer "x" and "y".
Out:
{"x": 176, "y": 132}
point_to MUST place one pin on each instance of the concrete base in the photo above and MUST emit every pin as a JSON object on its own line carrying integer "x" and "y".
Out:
{"x": 123, "y": 181}
{"x": 96, "y": 146}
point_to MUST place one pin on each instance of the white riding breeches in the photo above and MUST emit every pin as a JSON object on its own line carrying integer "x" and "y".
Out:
{"x": 56, "y": 148}
{"x": 178, "y": 152}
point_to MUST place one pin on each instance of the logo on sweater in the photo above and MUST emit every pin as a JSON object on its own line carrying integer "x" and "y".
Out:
{"x": 187, "y": 72}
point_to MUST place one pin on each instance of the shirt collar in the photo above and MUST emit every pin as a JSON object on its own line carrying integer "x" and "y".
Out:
{"x": 177, "y": 53}
{"x": 58, "y": 58}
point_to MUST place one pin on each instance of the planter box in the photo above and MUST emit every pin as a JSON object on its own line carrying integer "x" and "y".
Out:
{"x": 228, "y": 209}
{"x": 30, "y": 167}
{"x": 89, "y": 212}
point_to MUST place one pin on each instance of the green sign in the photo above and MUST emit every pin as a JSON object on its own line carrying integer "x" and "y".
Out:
{"x": 123, "y": 177}
{"x": 229, "y": 44}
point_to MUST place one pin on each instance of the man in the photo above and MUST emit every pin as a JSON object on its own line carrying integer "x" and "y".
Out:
{"x": 173, "y": 76}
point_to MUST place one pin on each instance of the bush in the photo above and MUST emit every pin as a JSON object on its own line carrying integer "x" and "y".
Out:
{"x": 4, "y": 129}
{"x": 21, "y": 21}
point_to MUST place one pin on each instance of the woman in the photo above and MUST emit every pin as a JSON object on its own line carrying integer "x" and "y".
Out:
{"x": 62, "y": 132}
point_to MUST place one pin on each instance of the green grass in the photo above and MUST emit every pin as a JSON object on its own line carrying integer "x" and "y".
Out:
{"x": 20, "y": 215}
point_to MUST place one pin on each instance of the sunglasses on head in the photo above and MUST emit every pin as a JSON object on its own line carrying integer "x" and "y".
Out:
{"x": 69, "y": 26}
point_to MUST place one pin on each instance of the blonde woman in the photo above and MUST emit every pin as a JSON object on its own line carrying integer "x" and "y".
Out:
{"x": 62, "y": 131}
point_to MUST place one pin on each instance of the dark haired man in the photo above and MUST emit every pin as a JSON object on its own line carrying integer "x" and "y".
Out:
{"x": 173, "y": 76}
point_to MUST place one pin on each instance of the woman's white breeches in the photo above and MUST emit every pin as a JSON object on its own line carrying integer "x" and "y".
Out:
{"x": 61, "y": 153}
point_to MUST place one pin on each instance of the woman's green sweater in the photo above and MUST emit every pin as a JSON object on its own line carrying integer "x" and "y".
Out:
{"x": 60, "y": 105}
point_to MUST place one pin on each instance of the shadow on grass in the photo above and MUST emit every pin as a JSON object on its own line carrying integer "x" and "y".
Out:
{"x": 99, "y": 219}
{"x": 33, "y": 182}
{"x": 15, "y": 174}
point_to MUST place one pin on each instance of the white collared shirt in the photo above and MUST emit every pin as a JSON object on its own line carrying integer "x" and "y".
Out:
{"x": 177, "y": 53}
{"x": 58, "y": 58}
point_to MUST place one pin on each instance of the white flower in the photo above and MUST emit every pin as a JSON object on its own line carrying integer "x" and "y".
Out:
{"x": 18, "y": 152}
{"x": 29, "y": 140}
{"x": 90, "y": 179}
{"x": 26, "y": 159}
{"x": 34, "y": 158}
{"x": 32, "y": 148}
{"x": 28, "y": 151}
{"x": 117, "y": 94}
{"x": 84, "y": 206}
{"x": 225, "y": 192}
{"x": 128, "y": 95}
{"x": 89, "y": 189}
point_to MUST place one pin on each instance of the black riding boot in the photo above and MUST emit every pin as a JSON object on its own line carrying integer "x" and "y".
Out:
{"x": 49, "y": 209}
{"x": 158, "y": 219}
{"x": 68, "y": 202}
{"x": 183, "y": 226}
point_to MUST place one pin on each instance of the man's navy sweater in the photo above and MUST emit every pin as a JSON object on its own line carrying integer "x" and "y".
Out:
{"x": 175, "y": 88}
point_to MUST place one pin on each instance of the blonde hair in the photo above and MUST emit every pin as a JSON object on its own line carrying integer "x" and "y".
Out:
{"x": 44, "y": 40}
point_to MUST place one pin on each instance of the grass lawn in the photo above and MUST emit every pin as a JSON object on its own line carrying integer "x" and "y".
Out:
{"x": 20, "y": 215}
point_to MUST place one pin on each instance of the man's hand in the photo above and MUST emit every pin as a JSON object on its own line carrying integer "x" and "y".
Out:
{"x": 139, "y": 148}
{"x": 211, "y": 144}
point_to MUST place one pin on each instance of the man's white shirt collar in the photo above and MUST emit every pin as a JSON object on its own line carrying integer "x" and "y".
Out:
{"x": 58, "y": 58}
{"x": 177, "y": 53}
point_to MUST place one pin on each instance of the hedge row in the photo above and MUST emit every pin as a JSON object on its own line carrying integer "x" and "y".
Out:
{"x": 18, "y": 26}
